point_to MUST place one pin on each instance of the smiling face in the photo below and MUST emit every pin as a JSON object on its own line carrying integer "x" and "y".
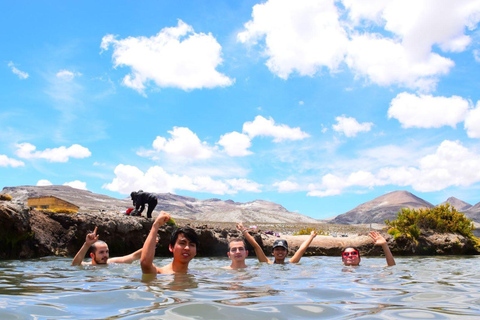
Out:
{"x": 183, "y": 250}
{"x": 100, "y": 253}
{"x": 237, "y": 251}
{"x": 280, "y": 253}
{"x": 351, "y": 257}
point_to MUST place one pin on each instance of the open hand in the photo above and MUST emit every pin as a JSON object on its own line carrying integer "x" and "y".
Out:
{"x": 240, "y": 227}
{"x": 377, "y": 238}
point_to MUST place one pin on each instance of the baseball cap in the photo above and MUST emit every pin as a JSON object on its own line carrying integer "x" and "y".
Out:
{"x": 280, "y": 243}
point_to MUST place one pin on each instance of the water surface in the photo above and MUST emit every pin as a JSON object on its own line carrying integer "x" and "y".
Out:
{"x": 316, "y": 288}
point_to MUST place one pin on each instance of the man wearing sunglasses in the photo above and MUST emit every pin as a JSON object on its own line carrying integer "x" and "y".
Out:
{"x": 280, "y": 248}
{"x": 351, "y": 255}
{"x": 237, "y": 253}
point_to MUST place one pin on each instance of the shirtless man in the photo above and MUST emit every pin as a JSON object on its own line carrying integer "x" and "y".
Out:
{"x": 351, "y": 255}
{"x": 280, "y": 248}
{"x": 237, "y": 253}
{"x": 99, "y": 252}
{"x": 183, "y": 245}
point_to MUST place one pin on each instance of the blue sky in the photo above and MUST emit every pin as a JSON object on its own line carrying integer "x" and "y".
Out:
{"x": 316, "y": 105}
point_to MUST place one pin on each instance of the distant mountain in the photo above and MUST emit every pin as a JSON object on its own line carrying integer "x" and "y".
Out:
{"x": 382, "y": 208}
{"x": 473, "y": 212}
{"x": 460, "y": 205}
{"x": 179, "y": 206}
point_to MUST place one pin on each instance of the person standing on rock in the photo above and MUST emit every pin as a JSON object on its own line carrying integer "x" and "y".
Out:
{"x": 183, "y": 245}
{"x": 280, "y": 248}
{"x": 351, "y": 255}
{"x": 237, "y": 253}
{"x": 99, "y": 252}
{"x": 141, "y": 198}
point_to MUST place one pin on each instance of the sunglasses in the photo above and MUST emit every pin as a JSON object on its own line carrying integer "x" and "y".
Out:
{"x": 352, "y": 253}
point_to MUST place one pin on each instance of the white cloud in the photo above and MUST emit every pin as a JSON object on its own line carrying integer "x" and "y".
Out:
{"x": 244, "y": 185}
{"x": 6, "y": 161}
{"x": 452, "y": 164}
{"x": 21, "y": 75}
{"x": 61, "y": 154}
{"x": 183, "y": 143}
{"x": 426, "y": 111}
{"x": 300, "y": 36}
{"x": 305, "y": 35}
{"x": 156, "y": 179}
{"x": 43, "y": 182}
{"x": 476, "y": 55}
{"x": 76, "y": 184}
{"x": 472, "y": 122}
{"x": 287, "y": 186}
{"x": 67, "y": 75}
{"x": 175, "y": 57}
{"x": 235, "y": 144}
{"x": 267, "y": 128}
{"x": 386, "y": 62}
{"x": 350, "y": 127}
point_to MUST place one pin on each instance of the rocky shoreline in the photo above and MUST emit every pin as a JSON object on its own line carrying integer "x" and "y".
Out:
{"x": 28, "y": 233}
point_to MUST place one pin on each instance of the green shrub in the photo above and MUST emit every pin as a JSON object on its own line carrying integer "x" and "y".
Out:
{"x": 443, "y": 219}
{"x": 308, "y": 230}
{"x": 5, "y": 197}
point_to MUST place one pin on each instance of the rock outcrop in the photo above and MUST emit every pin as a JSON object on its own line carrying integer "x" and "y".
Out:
{"x": 27, "y": 233}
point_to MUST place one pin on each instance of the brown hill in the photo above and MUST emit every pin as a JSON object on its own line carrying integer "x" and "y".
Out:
{"x": 458, "y": 204}
{"x": 381, "y": 208}
{"x": 179, "y": 206}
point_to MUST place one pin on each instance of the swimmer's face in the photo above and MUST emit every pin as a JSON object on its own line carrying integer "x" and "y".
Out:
{"x": 237, "y": 251}
{"x": 351, "y": 257}
{"x": 101, "y": 255}
{"x": 184, "y": 250}
{"x": 280, "y": 253}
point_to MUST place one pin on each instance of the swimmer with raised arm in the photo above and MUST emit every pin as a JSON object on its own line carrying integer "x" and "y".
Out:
{"x": 99, "y": 252}
{"x": 280, "y": 248}
{"x": 351, "y": 255}
{"x": 183, "y": 245}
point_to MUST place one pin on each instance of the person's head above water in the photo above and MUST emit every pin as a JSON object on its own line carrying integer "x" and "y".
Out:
{"x": 351, "y": 256}
{"x": 237, "y": 253}
{"x": 280, "y": 250}
{"x": 99, "y": 252}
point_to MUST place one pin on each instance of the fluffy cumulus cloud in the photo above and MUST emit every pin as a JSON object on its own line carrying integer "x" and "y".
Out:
{"x": 300, "y": 36}
{"x": 175, "y": 57}
{"x": 472, "y": 122}
{"x": 287, "y": 186}
{"x": 426, "y": 111}
{"x": 350, "y": 127}
{"x": 77, "y": 184}
{"x": 235, "y": 144}
{"x": 61, "y": 154}
{"x": 20, "y": 74}
{"x": 156, "y": 179}
{"x": 452, "y": 164}
{"x": 43, "y": 182}
{"x": 9, "y": 162}
{"x": 386, "y": 41}
{"x": 267, "y": 128}
{"x": 184, "y": 143}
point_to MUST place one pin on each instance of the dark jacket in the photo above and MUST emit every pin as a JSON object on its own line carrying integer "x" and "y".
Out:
{"x": 142, "y": 198}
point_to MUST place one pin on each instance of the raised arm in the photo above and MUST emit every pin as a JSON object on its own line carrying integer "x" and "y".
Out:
{"x": 258, "y": 250}
{"x": 128, "y": 258}
{"x": 379, "y": 240}
{"x": 89, "y": 240}
{"x": 148, "y": 250}
{"x": 298, "y": 255}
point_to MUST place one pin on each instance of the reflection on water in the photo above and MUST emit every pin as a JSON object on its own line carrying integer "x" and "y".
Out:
{"x": 317, "y": 288}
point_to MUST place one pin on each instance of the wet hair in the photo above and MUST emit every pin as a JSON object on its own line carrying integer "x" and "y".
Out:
{"x": 236, "y": 240}
{"x": 188, "y": 232}
{"x": 93, "y": 247}
{"x": 351, "y": 248}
